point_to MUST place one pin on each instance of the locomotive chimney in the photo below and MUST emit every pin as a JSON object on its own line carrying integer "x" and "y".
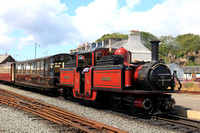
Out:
{"x": 155, "y": 50}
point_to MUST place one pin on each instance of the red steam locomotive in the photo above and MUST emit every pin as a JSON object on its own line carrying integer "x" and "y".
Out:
{"x": 101, "y": 75}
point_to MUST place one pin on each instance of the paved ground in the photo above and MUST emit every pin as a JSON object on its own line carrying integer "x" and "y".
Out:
{"x": 187, "y": 101}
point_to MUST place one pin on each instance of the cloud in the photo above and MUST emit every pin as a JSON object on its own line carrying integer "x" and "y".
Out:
{"x": 48, "y": 23}
{"x": 132, "y": 3}
{"x": 26, "y": 41}
{"x": 172, "y": 17}
{"x": 45, "y": 20}
{"x": 95, "y": 19}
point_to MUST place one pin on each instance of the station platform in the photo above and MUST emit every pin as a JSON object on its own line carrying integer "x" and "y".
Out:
{"x": 187, "y": 105}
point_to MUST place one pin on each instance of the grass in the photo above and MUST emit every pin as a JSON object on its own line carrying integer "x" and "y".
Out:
{"x": 191, "y": 86}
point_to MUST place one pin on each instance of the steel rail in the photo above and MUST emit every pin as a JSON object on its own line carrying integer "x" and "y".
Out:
{"x": 54, "y": 114}
{"x": 189, "y": 92}
{"x": 190, "y": 125}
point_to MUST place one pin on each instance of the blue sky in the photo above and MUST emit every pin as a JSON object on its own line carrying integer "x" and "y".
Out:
{"x": 60, "y": 25}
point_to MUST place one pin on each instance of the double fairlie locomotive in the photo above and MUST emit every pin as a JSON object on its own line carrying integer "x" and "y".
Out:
{"x": 111, "y": 77}
{"x": 101, "y": 75}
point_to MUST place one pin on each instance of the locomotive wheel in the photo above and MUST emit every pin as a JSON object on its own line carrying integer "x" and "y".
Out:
{"x": 67, "y": 94}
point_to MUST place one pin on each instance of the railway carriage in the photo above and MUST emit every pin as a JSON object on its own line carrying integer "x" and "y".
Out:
{"x": 7, "y": 72}
{"x": 40, "y": 73}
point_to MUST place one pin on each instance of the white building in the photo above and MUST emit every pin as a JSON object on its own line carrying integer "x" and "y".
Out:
{"x": 133, "y": 44}
{"x": 174, "y": 68}
{"x": 189, "y": 70}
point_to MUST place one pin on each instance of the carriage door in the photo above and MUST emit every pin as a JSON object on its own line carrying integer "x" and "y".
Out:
{"x": 12, "y": 72}
{"x": 77, "y": 80}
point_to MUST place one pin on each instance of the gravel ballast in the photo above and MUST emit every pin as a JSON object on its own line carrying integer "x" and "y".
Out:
{"x": 14, "y": 120}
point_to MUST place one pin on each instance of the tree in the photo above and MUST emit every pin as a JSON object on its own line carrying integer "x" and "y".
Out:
{"x": 106, "y": 37}
{"x": 188, "y": 42}
{"x": 146, "y": 37}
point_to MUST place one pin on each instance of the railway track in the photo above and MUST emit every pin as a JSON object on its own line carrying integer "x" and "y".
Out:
{"x": 168, "y": 121}
{"x": 54, "y": 114}
{"x": 178, "y": 123}
{"x": 190, "y": 92}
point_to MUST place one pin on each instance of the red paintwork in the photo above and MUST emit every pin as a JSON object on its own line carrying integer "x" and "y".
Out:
{"x": 113, "y": 78}
{"x": 5, "y": 77}
{"x": 93, "y": 59}
{"x": 88, "y": 81}
{"x": 125, "y": 53}
{"x": 77, "y": 81}
{"x": 67, "y": 77}
{"x": 138, "y": 102}
{"x": 92, "y": 94}
{"x": 93, "y": 97}
{"x": 128, "y": 77}
{"x": 136, "y": 74}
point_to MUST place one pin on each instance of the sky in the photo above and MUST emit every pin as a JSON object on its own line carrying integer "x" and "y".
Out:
{"x": 56, "y": 26}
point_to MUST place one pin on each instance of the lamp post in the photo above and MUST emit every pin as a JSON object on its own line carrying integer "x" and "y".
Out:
{"x": 15, "y": 55}
{"x": 46, "y": 53}
{"x": 36, "y": 48}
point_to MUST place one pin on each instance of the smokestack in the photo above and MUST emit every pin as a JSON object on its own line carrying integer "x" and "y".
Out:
{"x": 155, "y": 50}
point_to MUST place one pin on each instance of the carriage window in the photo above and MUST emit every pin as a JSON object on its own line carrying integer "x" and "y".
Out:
{"x": 18, "y": 68}
{"x": 33, "y": 68}
{"x": 46, "y": 64}
{"x": 57, "y": 68}
{"x": 22, "y": 68}
{"x": 30, "y": 64}
{"x": 9, "y": 68}
{"x": 1, "y": 69}
{"x": 38, "y": 67}
{"x": 42, "y": 68}
{"x": 28, "y": 68}
{"x": 51, "y": 69}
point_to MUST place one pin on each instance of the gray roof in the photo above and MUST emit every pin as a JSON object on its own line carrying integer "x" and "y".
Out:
{"x": 3, "y": 57}
{"x": 191, "y": 69}
{"x": 118, "y": 44}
